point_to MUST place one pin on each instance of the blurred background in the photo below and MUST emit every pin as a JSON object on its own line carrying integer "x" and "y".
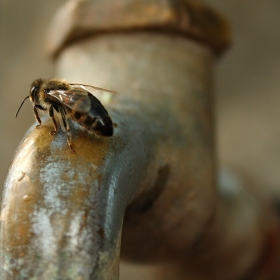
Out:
{"x": 247, "y": 81}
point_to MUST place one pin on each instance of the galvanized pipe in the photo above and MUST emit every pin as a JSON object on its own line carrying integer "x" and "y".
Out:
{"x": 76, "y": 203}
{"x": 150, "y": 192}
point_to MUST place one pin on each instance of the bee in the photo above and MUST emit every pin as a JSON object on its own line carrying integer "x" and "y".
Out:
{"x": 70, "y": 101}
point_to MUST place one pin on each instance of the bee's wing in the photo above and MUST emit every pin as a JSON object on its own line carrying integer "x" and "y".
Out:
{"x": 92, "y": 89}
{"x": 75, "y": 99}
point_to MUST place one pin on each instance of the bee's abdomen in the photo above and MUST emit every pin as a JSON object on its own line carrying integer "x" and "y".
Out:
{"x": 101, "y": 125}
{"x": 104, "y": 127}
{"x": 96, "y": 119}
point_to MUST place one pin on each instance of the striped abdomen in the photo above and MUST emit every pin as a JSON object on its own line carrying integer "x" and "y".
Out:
{"x": 96, "y": 119}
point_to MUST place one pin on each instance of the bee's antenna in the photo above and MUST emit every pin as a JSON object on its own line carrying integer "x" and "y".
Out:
{"x": 21, "y": 105}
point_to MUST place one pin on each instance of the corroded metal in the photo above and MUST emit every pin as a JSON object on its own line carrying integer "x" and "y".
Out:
{"x": 153, "y": 184}
{"x": 188, "y": 18}
{"x": 162, "y": 149}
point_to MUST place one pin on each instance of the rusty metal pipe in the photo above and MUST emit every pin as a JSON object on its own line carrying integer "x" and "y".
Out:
{"x": 63, "y": 213}
{"x": 174, "y": 119}
{"x": 153, "y": 185}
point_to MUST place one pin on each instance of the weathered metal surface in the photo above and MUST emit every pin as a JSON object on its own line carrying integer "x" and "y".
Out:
{"x": 84, "y": 19}
{"x": 49, "y": 216}
{"x": 162, "y": 150}
{"x": 153, "y": 184}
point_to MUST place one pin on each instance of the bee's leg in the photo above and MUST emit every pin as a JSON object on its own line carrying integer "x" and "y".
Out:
{"x": 37, "y": 117}
{"x": 66, "y": 128}
{"x": 51, "y": 114}
{"x": 69, "y": 141}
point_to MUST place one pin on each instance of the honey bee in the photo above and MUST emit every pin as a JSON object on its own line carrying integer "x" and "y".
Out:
{"x": 64, "y": 101}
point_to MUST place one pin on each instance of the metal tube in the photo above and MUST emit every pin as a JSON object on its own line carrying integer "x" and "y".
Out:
{"x": 63, "y": 213}
{"x": 149, "y": 193}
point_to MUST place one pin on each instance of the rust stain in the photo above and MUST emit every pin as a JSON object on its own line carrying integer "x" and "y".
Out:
{"x": 194, "y": 20}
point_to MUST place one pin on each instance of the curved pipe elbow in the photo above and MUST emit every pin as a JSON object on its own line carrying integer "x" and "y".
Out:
{"x": 62, "y": 213}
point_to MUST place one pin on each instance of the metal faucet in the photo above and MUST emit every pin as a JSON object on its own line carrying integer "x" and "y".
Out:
{"x": 150, "y": 193}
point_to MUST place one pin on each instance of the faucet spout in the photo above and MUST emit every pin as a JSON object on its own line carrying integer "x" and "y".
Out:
{"x": 64, "y": 214}
{"x": 148, "y": 194}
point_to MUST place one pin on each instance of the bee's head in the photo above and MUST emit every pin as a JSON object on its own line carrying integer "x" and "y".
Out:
{"x": 34, "y": 90}
{"x": 33, "y": 94}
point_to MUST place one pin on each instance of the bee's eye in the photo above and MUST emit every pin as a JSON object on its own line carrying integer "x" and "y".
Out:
{"x": 34, "y": 92}
{"x": 33, "y": 89}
